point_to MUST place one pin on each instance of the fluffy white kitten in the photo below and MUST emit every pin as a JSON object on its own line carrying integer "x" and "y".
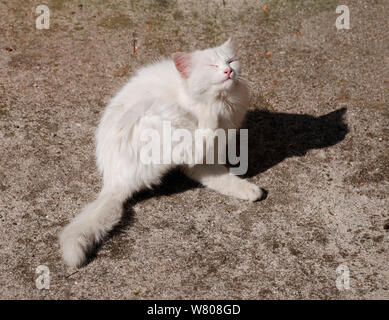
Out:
{"x": 201, "y": 89}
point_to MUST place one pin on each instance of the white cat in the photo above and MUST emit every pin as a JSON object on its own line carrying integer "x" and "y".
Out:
{"x": 202, "y": 89}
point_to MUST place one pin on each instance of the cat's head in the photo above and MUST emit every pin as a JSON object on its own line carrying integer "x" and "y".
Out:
{"x": 209, "y": 72}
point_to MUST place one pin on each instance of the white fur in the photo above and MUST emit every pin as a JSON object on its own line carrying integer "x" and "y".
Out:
{"x": 159, "y": 92}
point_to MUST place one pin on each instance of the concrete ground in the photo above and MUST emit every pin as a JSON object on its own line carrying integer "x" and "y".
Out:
{"x": 318, "y": 134}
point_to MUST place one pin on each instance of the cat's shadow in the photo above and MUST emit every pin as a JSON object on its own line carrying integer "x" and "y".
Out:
{"x": 273, "y": 137}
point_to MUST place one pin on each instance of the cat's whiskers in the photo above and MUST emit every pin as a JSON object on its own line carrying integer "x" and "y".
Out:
{"x": 243, "y": 80}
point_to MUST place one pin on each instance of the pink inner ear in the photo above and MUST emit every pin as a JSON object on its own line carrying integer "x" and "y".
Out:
{"x": 183, "y": 63}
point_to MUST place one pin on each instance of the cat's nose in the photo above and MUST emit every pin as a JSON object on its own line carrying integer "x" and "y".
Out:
{"x": 228, "y": 71}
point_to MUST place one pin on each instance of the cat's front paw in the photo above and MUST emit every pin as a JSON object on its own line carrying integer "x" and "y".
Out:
{"x": 249, "y": 191}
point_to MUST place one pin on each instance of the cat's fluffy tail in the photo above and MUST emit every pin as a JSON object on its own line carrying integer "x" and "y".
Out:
{"x": 90, "y": 226}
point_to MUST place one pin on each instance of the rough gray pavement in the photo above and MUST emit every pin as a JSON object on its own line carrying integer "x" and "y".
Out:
{"x": 318, "y": 134}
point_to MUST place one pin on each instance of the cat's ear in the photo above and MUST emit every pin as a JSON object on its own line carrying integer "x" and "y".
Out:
{"x": 229, "y": 44}
{"x": 183, "y": 63}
